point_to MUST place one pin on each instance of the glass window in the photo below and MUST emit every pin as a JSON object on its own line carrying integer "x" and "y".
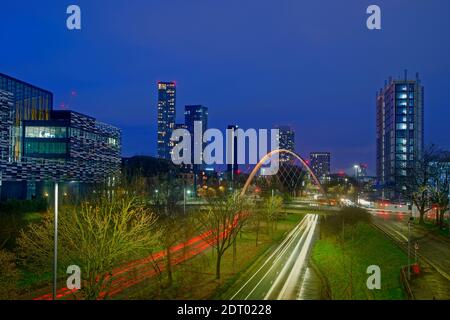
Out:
{"x": 38, "y": 147}
{"x": 401, "y": 111}
{"x": 401, "y": 118}
{"x": 46, "y": 132}
{"x": 401, "y": 126}
{"x": 401, "y": 87}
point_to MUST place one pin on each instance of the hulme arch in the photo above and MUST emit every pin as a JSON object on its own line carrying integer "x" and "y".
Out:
{"x": 268, "y": 156}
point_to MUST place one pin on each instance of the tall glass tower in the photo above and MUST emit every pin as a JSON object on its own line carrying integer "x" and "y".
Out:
{"x": 320, "y": 164}
{"x": 166, "y": 118}
{"x": 400, "y": 133}
{"x": 196, "y": 114}
{"x": 286, "y": 141}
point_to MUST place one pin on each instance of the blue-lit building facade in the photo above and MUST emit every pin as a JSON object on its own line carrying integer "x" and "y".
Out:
{"x": 56, "y": 146}
{"x": 320, "y": 163}
{"x": 196, "y": 114}
{"x": 400, "y": 134}
{"x": 286, "y": 141}
{"x": 166, "y": 118}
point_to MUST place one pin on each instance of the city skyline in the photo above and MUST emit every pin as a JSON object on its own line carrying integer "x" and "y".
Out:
{"x": 278, "y": 69}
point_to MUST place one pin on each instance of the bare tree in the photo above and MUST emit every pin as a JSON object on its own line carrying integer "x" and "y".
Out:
{"x": 222, "y": 221}
{"x": 166, "y": 203}
{"x": 418, "y": 179}
{"x": 97, "y": 236}
{"x": 272, "y": 210}
{"x": 439, "y": 186}
{"x": 9, "y": 275}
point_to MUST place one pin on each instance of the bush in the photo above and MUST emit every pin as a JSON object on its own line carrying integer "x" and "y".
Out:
{"x": 23, "y": 206}
{"x": 8, "y": 276}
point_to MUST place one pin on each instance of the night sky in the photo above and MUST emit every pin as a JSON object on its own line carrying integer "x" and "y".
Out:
{"x": 258, "y": 63}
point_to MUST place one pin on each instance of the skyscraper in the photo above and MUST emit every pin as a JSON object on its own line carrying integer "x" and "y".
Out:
{"x": 400, "y": 133}
{"x": 232, "y": 152}
{"x": 286, "y": 140}
{"x": 166, "y": 118}
{"x": 196, "y": 114}
{"x": 320, "y": 164}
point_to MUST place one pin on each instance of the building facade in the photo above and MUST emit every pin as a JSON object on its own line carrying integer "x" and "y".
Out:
{"x": 286, "y": 141}
{"x": 64, "y": 146}
{"x": 400, "y": 133}
{"x": 196, "y": 118}
{"x": 232, "y": 152}
{"x": 320, "y": 163}
{"x": 166, "y": 118}
{"x": 29, "y": 103}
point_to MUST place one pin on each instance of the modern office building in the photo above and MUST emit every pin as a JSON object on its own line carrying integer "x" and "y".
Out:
{"x": 62, "y": 146}
{"x": 29, "y": 103}
{"x": 320, "y": 164}
{"x": 400, "y": 133}
{"x": 196, "y": 116}
{"x": 166, "y": 118}
{"x": 286, "y": 140}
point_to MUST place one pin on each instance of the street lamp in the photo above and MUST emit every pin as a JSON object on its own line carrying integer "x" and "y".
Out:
{"x": 356, "y": 171}
{"x": 356, "y": 178}
{"x": 55, "y": 252}
{"x": 411, "y": 219}
{"x": 184, "y": 198}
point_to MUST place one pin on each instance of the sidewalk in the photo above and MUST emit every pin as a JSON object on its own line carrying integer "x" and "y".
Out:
{"x": 429, "y": 285}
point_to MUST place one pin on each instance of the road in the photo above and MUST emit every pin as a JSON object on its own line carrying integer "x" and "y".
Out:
{"x": 279, "y": 274}
{"x": 433, "y": 250}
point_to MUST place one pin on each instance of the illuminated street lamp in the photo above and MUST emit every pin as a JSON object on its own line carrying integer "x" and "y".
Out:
{"x": 356, "y": 171}
{"x": 55, "y": 252}
{"x": 356, "y": 178}
{"x": 188, "y": 192}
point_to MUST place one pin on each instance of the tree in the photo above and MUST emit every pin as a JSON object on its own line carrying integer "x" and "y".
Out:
{"x": 97, "y": 236}
{"x": 166, "y": 203}
{"x": 9, "y": 276}
{"x": 272, "y": 210}
{"x": 417, "y": 181}
{"x": 439, "y": 186}
{"x": 222, "y": 221}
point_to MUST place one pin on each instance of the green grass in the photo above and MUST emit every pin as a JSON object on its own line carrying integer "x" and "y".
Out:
{"x": 195, "y": 279}
{"x": 345, "y": 265}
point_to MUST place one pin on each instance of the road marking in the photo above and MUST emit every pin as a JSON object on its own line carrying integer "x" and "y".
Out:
{"x": 277, "y": 259}
{"x": 401, "y": 234}
{"x": 280, "y": 246}
{"x": 291, "y": 283}
{"x": 288, "y": 263}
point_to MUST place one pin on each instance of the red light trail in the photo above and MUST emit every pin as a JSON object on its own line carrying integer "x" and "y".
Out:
{"x": 137, "y": 271}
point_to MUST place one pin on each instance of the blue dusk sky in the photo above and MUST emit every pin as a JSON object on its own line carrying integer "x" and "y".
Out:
{"x": 257, "y": 63}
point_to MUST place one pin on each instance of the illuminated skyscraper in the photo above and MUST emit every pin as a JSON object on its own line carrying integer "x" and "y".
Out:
{"x": 320, "y": 164}
{"x": 232, "y": 152}
{"x": 196, "y": 114}
{"x": 400, "y": 133}
{"x": 166, "y": 118}
{"x": 286, "y": 141}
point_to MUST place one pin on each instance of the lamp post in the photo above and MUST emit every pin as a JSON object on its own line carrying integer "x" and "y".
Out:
{"x": 357, "y": 184}
{"x": 55, "y": 252}
{"x": 184, "y": 199}
{"x": 411, "y": 219}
